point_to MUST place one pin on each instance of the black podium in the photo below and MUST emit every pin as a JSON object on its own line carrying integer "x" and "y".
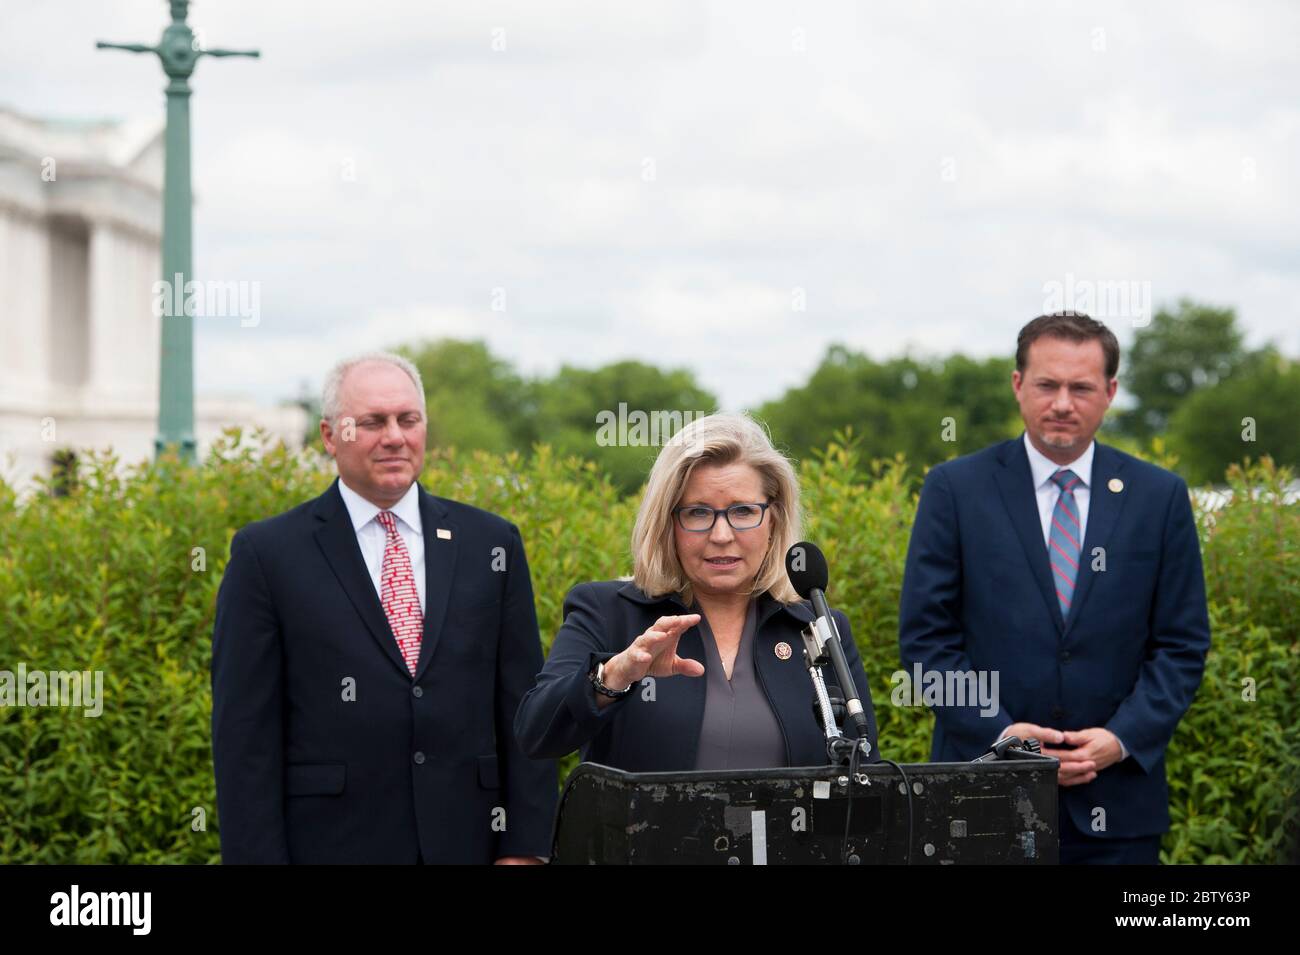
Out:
{"x": 1002, "y": 812}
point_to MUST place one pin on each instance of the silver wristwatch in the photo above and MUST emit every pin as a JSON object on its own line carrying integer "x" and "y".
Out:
{"x": 596, "y": 676}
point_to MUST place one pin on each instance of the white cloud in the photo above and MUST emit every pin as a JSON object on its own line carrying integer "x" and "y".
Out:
{"x": 792, "y": 146}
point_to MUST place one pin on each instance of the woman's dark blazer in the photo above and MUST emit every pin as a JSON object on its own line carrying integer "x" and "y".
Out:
{"x": 656, "y": 727}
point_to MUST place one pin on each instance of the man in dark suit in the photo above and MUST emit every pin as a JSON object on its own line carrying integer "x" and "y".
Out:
{"x": 370, "y": 649}
{"x": 1073, "y": 571}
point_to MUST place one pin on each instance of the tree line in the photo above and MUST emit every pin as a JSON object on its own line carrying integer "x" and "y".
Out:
{"x": 1190, "y": 387}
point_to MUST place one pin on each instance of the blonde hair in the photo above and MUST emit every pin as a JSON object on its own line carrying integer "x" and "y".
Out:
{"x": 718, "y": 439}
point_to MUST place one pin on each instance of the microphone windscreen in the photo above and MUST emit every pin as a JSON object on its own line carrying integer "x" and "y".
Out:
{"x": 806, "y": 566}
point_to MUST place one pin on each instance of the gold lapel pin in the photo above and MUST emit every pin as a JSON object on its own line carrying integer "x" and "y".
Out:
{"x": 1116, "y": 485}
{"x": 445, "y": 535}
{"x": 783, "y": 651}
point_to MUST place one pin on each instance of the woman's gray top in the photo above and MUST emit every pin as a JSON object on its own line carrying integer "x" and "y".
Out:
{"x": 739, "y": 730}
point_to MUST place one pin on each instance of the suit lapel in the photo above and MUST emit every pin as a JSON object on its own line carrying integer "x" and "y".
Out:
{"x": 439, "y": 571}
{"x": 686, "y": 747}
{"x": 338, "y": 542}
{"x": 1104, "y": 506}
{"x": 775, "y": 675}
{"x": 1016, "y": 485}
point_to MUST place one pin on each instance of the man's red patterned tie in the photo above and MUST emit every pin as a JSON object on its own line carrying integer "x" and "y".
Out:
{"x": 398, "y": 594}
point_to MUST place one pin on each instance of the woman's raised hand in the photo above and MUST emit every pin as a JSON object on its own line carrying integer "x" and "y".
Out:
{"x": 653, "y": 653}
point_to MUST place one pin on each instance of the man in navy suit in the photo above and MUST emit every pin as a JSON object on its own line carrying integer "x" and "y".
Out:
{"x": 370, "y": 649}
{"x": 1073, "y": 571}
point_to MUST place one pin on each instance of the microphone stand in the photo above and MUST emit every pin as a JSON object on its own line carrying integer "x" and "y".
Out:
{"x": 821, "y": 645}
{"x": 816, "y": 639}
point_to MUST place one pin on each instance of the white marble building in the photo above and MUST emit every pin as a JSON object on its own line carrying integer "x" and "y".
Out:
{"x": 80, "y": 225}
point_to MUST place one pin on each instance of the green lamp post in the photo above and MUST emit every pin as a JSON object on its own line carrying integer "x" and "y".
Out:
{"x": 179, "y": 53}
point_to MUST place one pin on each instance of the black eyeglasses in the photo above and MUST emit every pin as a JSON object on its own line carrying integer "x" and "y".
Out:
{"x": 697, "y": 518}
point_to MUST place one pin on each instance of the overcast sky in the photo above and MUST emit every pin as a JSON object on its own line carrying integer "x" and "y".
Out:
{"x": 725, "y": 186}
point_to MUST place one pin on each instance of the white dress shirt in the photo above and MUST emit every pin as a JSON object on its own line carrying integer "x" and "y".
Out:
{"x": 1042, "y": 468}
{"x": 372, "y": 538}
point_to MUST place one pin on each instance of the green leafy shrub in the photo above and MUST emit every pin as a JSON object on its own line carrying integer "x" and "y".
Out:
{"x": 120, "y": 575}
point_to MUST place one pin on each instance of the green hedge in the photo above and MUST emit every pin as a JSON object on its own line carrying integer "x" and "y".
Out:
{"x": 107, "y": 577}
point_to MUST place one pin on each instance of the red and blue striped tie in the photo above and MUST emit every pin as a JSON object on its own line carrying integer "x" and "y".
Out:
{"x": 1065, "y": 541}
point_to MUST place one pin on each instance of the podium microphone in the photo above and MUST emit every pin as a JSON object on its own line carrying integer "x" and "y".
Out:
{"x": 806, "y": 566}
